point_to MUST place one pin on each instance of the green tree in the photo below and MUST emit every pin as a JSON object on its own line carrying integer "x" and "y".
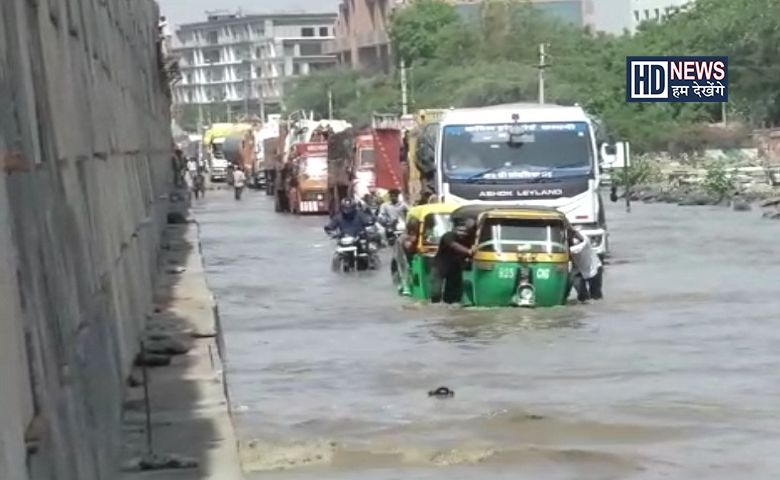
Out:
{"x": 415, "y": 30}
{"x": 492, "y": 57}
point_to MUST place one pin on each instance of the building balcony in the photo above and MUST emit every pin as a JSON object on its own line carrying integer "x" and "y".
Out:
{"x": 211, "y": 83}
{"x": 216, "y": 64}
{"x": 224, "y": 42}
{"x": 374, "y": 38}
{"x": 323, "y": 57}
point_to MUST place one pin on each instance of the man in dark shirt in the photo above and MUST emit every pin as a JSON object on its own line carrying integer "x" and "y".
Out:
{"x": 447, "y": 272}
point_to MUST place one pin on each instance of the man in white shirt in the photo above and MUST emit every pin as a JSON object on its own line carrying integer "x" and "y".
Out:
{"x": 239, "y": 182}
{"x": 588, "y": 270}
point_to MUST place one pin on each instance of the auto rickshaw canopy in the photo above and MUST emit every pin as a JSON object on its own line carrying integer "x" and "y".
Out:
{"x": 431, "y": 229}
{"x": 473, "y": 211}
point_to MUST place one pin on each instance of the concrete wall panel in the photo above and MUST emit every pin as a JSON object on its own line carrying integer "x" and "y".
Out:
{"x": 84, "y": 150}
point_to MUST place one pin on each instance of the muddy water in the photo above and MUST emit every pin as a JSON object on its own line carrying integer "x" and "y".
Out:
{"x": 674, "y": 375}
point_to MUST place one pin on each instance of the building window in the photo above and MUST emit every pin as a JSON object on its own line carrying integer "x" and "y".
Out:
{"x": 289, "y": 50}
{"x": 212, "y": 38}
{"x": 215, "y": 75}
{"x": 296, "y": 69}
{"x": 657, "y": 14}
{"x": 307, "y": 32}
{"x": 189, "y": 97}
{"x": 308, "y": 49}
{"x": 324, "y": 32}
{"x": 636, "y": 15}
{"x": 240, "y": 33}
{"x": 244, "y": 72}
{"x": 647, "y": 14}
{"x": 188, "y": 79}
{"x": 243, "y": 53}
{"x": 211, "y": 56}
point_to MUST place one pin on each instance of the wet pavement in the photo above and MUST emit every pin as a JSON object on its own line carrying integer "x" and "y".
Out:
{"x": 673, "y": 375}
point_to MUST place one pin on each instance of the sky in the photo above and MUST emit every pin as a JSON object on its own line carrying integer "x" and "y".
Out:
{"x": 187, "y": 11}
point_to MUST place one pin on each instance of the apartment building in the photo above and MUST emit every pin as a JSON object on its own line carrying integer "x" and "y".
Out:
{"x": 361, "y": 34}
{"x": 246, "y": 59}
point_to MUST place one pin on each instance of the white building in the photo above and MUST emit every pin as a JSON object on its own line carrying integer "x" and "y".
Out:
{"x": 615, "y": 16}
{"x": 244, "y": 59}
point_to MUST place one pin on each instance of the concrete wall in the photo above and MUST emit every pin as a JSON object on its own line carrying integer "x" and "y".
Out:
{"x": 84, "y": 151}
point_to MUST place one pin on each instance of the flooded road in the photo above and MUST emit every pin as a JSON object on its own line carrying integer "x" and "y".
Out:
{"x": 674, "y": 375}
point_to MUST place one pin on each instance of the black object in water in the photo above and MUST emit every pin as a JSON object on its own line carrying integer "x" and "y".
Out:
{"x": 442, "y": 392}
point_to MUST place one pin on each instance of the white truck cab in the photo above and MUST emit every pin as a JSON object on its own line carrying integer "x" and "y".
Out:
{"x": 524, "y": 154}
{"x": 218, "y": 163}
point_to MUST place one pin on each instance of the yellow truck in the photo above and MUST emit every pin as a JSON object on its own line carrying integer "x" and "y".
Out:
{"x": 214, "y": 147}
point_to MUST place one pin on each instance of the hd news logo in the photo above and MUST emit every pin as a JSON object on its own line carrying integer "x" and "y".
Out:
{"x": 677, "y": 79}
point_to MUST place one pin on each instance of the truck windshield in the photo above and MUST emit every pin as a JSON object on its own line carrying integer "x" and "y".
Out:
{"x": 489, "y": 151}
{"x": 504, "y": 235}
{"x": 216, "y": 150}
{"x": 315, "y": 167}
{"x": 366, "y": 158}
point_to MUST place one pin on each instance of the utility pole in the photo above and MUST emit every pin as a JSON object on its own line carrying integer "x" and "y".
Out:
{"x": 627, "y": 174}
{"x": 229, "y": 112}
{"x": 723, "y": 113}
{"x": 541, "y": 67}
{"x": 404, "y": 100}
{"x": 330, "y": 104}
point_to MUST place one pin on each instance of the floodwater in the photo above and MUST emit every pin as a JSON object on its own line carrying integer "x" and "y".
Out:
{"x": 673, "y": 375}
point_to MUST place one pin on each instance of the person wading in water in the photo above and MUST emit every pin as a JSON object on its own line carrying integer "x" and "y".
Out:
{"x": 447, "y": 273}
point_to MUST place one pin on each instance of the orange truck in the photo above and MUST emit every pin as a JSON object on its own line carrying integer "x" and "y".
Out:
{"x": 309, "y": 186}
{"x": 378, "y": 157}
{"x": 387, "y": 139}
{"x": 350, "y": 165}
{"x": 364, "y": 162}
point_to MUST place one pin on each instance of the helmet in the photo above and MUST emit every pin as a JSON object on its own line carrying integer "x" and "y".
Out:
{"x": 347, "y": 207}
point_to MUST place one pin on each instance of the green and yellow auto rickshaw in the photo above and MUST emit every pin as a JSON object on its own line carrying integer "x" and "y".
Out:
{"x": 521, "y": 256}
{"x": 411, "y": 277}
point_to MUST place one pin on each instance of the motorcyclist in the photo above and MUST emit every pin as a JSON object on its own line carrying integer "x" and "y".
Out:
{"x": 370, "y": 204}
{"x": 349, "y": 221}
{"x": 393, "y": 210}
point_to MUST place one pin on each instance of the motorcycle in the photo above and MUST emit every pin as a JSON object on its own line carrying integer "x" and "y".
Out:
{"x": 393, "y": 230}
{"x": 355, "y": 254}
{"x": 374, "y": 234}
